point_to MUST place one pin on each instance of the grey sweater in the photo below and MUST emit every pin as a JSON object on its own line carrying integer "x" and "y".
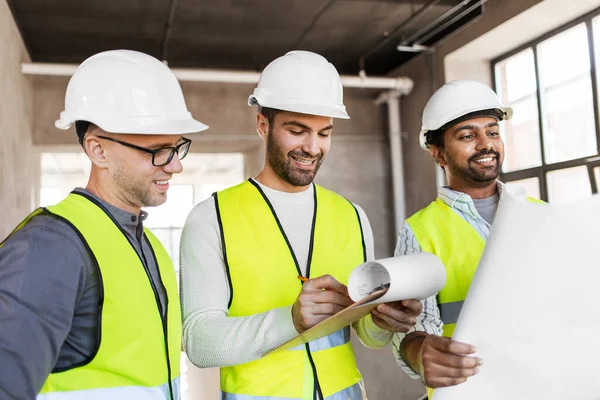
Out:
{"x": 49, "y": 299}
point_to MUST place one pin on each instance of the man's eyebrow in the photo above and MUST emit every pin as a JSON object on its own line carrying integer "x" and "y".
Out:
{"x": 163, "y": 144}
{"x": 473, "y": 127}
{"x": 306, "y": 127}
{"x": 465, "y": 128}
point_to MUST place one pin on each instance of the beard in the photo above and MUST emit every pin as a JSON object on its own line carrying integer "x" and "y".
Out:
{"x": 470, "y": 173}
{"x": 281, "y": 163}
{"x": 137, "y": 192}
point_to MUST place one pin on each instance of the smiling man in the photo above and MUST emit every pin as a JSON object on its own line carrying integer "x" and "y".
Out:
{"x": 89, "y": 307}
{"x": 461, "y": 132}
{"x": 244, "y": 250}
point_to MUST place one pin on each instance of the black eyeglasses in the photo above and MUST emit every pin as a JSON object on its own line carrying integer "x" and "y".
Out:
{"x": 162, "y": 156}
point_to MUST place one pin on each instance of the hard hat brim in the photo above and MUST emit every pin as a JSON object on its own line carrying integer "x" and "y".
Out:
{"x": 310, "y": 109}
{"x": 140, "y": 126}
{"x": 506, "y": 110}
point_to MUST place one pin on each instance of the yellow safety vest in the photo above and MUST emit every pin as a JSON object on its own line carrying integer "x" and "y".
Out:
{"x": 263, "y": 274}
{"x": 441, "y": 231}
{"x": 139, "y": 352}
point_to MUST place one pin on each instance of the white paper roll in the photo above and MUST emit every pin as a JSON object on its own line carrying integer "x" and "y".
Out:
{"x": 415, "y": 276}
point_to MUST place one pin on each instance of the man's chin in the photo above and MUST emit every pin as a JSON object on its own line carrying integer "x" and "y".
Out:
{"x": 301, "y": 179}
{"x": 157, "y": 200}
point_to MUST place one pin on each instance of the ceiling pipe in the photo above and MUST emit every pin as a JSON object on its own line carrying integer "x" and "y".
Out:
{"x": 402, "y": 84}
{"x": 393, "y": 34}
{"x": 450, "y": 22}
{"x": 392, "y": 99}
{"x": 448, "y": 13}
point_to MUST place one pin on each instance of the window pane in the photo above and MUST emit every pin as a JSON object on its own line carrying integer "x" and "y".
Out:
{"x": 596, "y": 31}
{"x": 50, "y": 196}
{"x": 516, "y": 77}
{"x": 521, "y": 136}
{"x": 515, "y": 80}
{"x": 180, "y": 201}
{"x": 568, "y": 185}
{"x": 566, "y": 89}
{"x": 531, "y": 186}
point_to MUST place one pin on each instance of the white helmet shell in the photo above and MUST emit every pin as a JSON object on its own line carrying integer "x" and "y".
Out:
{"x": 124, "y": 91}
{"x": 302, "y": 82}
{"x": 456, "y": 99}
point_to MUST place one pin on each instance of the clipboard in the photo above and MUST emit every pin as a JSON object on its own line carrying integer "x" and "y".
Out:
{"x": 415, "y": 276}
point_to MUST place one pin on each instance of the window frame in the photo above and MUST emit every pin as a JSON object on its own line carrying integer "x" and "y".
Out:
{"x": 590, "y": 162}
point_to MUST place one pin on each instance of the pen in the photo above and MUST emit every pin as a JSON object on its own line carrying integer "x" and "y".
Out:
{"x": 303, "y": 279}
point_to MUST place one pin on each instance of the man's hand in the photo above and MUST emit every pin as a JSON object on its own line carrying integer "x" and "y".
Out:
{"x": 439, "y": 360}
{"x": 397, "y": 316}
{"x": 319, "y": 299}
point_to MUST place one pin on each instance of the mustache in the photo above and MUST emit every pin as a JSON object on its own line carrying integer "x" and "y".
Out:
{"x": 485, "y": 153}
{"x": 301, "y": 154}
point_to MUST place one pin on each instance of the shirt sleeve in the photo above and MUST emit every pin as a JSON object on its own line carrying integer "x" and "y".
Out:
{"x": 367, "y": 332}
{"x": 429, "y": 320}
{"x": 210, "y": 337}
{"x": 42, "y": 278}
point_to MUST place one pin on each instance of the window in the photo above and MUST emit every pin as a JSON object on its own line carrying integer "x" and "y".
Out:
{"x": 552, "y": 142}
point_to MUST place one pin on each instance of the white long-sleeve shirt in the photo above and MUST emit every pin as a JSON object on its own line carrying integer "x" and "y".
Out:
{"x": 210, "y": 337}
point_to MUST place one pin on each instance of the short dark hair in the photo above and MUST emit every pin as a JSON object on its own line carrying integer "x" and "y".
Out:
{"x": 269, "y": 114}
{"x": 436, "y": 137}
{"x": 81, "y": 127}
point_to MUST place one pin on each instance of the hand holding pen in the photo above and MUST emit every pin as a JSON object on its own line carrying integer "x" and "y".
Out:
{"x": 319, "y": 299}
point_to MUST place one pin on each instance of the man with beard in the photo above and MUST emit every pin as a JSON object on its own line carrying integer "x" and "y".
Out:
{"x": 244, "y": 250}
{"x": 461, "y": 132}
{"x": 89, "y": 307}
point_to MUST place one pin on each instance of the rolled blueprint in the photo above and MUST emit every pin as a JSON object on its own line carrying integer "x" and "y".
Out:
{"x": 416, "y": 276}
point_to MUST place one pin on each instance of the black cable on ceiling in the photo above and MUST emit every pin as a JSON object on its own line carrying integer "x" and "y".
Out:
{"x": 313, "y": 23}
{"x": 394, "y": 33}
{"x": 167, "y": 33}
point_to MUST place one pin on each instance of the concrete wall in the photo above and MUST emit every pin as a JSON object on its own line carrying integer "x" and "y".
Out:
{"x": 19, "y": 168}
{"x": 428, "y": 72}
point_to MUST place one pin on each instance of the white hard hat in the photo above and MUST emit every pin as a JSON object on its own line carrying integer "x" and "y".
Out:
{"x": 302, "y": 82}
{"x": 124, "y": 91}
{"x": 456, "y": 99}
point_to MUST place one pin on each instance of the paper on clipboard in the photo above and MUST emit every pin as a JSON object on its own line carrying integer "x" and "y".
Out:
{"x": 415, "y": 276}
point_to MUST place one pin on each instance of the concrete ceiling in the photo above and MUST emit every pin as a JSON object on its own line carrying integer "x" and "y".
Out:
{"x": 235, "y": 34}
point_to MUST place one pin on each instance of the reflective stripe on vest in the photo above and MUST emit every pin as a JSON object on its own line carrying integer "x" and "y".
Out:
{"x": 263, "y": 267}
{"x": 449, "y": 312}
{"x": 332, "y": 340}
{"x": 139, "y": 353}
{"x": 119, "y": 393}
{"x": 353, "y": 392}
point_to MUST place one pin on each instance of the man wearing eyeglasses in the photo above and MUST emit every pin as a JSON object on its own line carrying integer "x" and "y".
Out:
{"x": 88, "y": 298}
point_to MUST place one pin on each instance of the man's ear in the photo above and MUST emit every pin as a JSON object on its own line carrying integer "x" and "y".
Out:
{"x": 438, "y": 155}
{"x": 95, "y": 150}
{"x": 262, "y": 126}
